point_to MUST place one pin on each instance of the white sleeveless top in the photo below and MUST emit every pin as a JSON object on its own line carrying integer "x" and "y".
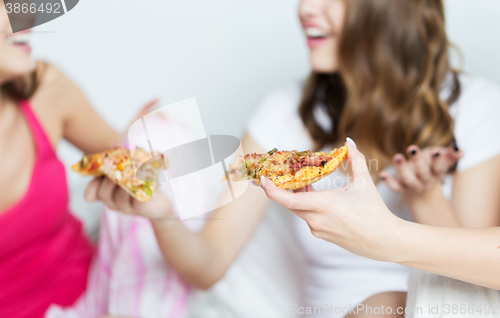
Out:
{"x": 336, "y": 279}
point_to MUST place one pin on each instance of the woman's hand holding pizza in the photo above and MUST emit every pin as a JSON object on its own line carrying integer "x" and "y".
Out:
{"x": 354, "y": 217}
{"x": 423, "y": 171}
{"x": 116, "y": 198}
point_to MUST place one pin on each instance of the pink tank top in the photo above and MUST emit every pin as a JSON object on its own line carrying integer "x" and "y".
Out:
{"x": 44, "y": 253}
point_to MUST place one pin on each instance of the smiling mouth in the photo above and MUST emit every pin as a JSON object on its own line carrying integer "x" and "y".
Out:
{"x": 19, "y": 39}
{"x": 317, "y": 33}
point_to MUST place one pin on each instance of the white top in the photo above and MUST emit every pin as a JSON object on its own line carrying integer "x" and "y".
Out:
{"x": 433, "y": 295}
{"x": 334, "y": 276}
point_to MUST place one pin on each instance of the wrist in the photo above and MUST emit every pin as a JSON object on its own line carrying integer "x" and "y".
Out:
{"x": 163, "y": 213}
{"x": 158, "y": 208}
{"x": 433, "y": 193}
{"x": 433, "y": 208}
{"x": 397, "y": 251}
{"x": 422, "y": 205}
{"x": 380, "y": 237}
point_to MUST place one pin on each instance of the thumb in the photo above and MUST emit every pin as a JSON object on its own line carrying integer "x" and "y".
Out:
{"x": 91, "y": 191}
{"x": 276, "y": 194}
{"x": 357, "y": 161}
{"x": 302, "y": 201}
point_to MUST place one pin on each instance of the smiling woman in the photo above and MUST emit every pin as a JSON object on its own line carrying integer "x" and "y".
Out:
{"x": 380, "y": 74}
{"x": 44, "y": 255}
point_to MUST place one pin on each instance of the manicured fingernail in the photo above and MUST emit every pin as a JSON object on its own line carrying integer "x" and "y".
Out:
{"x": 351, "y": 142}
{"x": 413, "y": 152}
{"x": 263, "y": 181}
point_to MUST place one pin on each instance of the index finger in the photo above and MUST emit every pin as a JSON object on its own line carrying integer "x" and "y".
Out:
{"x": 302, "y": 201}
{"x": 446, "y": 160}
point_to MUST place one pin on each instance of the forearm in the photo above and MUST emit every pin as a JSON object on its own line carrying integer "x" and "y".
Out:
{"x": 432, "y": 208}
{"x": 203, "y": 258}
{"x": 188, "y": 252}
{"x": 471, "y": 255}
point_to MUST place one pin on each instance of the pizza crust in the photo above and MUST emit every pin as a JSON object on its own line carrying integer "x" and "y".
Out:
{"x": 122, "y": 171}
{"x": 77, "y": 167}
{"x": 305, "y": 176}
{"x": 309, "y": 175}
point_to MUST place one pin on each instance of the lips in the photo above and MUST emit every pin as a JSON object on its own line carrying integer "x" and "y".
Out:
{"x": 316, "y": 35}
{"x": 20, "y": 40}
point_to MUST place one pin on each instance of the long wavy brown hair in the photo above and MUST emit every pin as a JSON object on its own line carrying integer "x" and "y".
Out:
{"x": 393, "y": 63}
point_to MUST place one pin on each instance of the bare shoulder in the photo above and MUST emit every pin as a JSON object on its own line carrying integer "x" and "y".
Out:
{"x": 66, "y": 113}
{"x": 56, "y": 91}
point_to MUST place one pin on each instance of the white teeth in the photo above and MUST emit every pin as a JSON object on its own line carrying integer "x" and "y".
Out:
{"x": 316, "y": 33}
{"x": 20, "y": 38}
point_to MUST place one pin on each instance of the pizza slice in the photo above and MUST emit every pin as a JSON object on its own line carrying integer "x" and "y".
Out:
{"x": 118, "y": 164}
{"x": 289, "y": 170}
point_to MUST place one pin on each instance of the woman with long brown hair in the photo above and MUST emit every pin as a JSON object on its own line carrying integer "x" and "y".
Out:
{"x": 381, "y": 75}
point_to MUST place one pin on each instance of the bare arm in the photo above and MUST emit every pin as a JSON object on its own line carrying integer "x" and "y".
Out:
{"x": 69, "y": 114}
{"x": 476, "y": 199}
{"x": 201, "y": 258}
{"x": 357, "y": 219}
{"x": 470, "y": 255}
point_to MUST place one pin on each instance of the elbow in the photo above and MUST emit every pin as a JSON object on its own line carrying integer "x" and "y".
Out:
{"x": 205, "y": 285}
{"x": 204, "y": 271}
{"x": 207, "y": 280}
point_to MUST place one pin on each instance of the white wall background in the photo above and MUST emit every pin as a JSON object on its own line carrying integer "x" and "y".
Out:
{"x": 474, "y": 27}
{"x": 225, "y": 53}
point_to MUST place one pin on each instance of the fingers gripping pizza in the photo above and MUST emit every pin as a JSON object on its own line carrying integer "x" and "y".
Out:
{"x": 289, "y": 170}
{"x": 118, "y": 165}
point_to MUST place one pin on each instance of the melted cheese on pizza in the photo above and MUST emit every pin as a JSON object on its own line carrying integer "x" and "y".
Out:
{"x": 118, "y": 164}
{"x": 289, "y": 170}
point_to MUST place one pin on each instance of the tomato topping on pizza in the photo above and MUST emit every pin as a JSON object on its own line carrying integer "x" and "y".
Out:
{"x": 120, "y": 165}
{"x": 290, "y": 170}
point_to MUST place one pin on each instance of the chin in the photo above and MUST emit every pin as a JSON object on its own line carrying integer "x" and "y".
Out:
{"x": 26, "y": 67}
{"x": 324, "y": 65}
{"x": 18, "y": 69}
{"x": 31, "y": 66}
